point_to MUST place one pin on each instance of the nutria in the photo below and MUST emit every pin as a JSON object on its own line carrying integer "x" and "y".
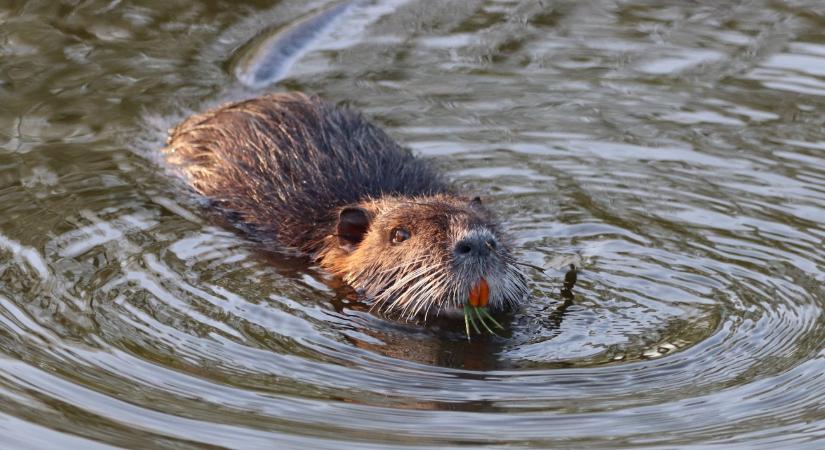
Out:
{"x": 296, "y": 172}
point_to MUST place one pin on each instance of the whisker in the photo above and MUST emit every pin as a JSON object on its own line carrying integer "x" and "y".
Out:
{"x": 522, "y": 263}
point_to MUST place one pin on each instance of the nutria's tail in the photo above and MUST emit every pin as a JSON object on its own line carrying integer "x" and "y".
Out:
{"x": 269, "y": 55}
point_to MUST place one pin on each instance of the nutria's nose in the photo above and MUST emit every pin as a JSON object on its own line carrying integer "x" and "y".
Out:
{"x": 475, "y": 244}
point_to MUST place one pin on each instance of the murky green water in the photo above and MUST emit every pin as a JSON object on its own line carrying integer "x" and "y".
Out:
{"x": 675, "y": 150}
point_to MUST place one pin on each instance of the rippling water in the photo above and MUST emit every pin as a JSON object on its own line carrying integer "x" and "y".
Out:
{"x": 675, "y": 152}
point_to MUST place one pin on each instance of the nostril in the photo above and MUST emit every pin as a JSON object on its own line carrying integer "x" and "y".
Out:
{"x": 475, "y": 244}
{"x": 462, "y": 248}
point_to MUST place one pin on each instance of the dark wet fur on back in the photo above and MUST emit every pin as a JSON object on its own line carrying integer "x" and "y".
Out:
{"x": 279, "y": 166}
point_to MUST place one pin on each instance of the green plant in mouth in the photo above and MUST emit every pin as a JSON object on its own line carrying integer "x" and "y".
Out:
{"x": 475, "y": 315}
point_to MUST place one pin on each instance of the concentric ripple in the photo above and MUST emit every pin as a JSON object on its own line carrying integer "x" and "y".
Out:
{"x": 675, "y": 154}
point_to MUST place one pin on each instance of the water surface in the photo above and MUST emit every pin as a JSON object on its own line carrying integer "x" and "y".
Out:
{"x": 675, "y": 152}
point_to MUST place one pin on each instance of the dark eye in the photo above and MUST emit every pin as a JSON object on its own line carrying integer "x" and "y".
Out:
{"x": 399, "y": 235}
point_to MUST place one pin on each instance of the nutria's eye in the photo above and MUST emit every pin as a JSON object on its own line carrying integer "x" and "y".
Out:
{"x": 399, "y": 235}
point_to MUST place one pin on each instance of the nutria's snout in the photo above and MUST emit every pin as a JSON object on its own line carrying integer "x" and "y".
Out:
{"x": 424, "y": 257}
{"x": 494, "y": 280}
{"x": 477, "y": 243}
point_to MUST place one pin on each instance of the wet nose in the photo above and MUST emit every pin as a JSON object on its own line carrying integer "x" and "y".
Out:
{"x": 475, "y": 244}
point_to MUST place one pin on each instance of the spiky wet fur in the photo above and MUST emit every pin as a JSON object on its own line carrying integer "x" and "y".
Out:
{"x": 282, "y": 166}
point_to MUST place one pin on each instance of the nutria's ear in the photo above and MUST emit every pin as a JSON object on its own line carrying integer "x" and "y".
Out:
{"x": 475, "y": 202}
{"x": 353, "y": 223}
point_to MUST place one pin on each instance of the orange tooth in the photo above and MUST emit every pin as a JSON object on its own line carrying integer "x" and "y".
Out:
{"x": 480, "y": 294}
{"x": 474, "y": 296}
{"x": 484, "y": 293}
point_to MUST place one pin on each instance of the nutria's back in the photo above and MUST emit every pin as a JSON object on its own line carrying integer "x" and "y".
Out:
{"x": 282, "y": 164}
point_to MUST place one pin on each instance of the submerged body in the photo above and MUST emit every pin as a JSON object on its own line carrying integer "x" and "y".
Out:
{"x": 296, "y": 172}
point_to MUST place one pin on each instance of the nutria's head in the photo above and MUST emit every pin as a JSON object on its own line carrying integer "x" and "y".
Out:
{"x": 423, "y": 256}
